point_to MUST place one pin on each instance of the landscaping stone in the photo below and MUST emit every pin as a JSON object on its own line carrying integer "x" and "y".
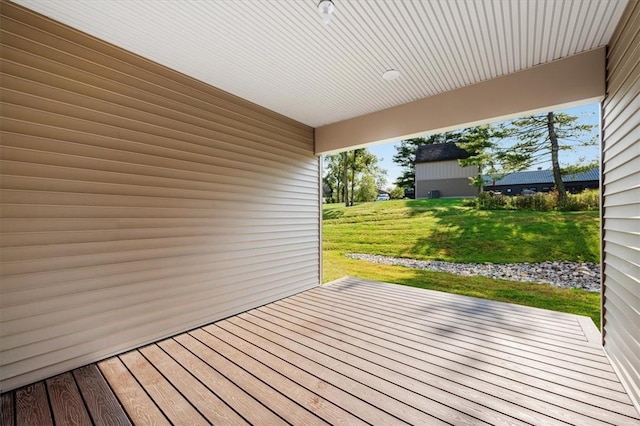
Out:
{"x": 582, "y": 275}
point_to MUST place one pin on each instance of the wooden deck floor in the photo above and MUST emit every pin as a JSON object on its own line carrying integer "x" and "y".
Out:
{"x": 353, "y": 352}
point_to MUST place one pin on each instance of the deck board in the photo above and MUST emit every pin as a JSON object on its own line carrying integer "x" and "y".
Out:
{"x": 6, "y": 409}
{"x": 465, "y": 380}
{"x": 206, "y": 402}
{"x": 102, "y": 404}
{"x": 407, "y": 333}
{"x": 352, "y": 352}
{"x": 66, "y": 402}
{"x": 32, "y": 405}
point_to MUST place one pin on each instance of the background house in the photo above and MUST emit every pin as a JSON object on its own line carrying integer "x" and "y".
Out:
{"x": 542, "y": 181}
{"x": 439, "y": 174}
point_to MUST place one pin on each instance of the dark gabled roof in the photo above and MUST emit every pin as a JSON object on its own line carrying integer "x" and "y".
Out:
{"x": 440, "y": 152}
{"x": 543, "y": 176}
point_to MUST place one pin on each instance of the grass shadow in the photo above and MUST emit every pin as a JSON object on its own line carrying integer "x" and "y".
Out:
{"x": 332, "y": 213}
{"x": 476, "y": 236}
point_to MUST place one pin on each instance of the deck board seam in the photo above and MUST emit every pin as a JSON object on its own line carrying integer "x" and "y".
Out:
{"x": 275, "y": 372}
{"x": 51, "y": 412}
{"x": 332, "y": 369}
{"x": 541, "y": 314}
{"x": 293, "y": 401}
{"x": 496, "y": 366}
{"x": 200, "y": 381}
{"x": 231, "y": 380}
{"x": 508, "y": 337}
{"x": 311, "y": 302}
{"x": 151, "y": 398}
{"x": 284, "y": 360}
{"x": 477, "y": 390}
{"x": 115, "y": 395}
{"x": 371, "y": 373}
{"x": 84, "y": 401}
{"x": 516, "y": 315}
{"x": 480, "y": 319}
{"x": 169, "y": 381}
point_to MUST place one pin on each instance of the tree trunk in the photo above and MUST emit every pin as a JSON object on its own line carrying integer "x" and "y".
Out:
{"x": 345, "y": 176}
{"x": 353, "y": 176}
{"x": 555, "y": 164}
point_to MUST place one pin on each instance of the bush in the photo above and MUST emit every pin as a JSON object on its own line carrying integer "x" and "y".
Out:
{"x": 589, "y": 199}
{"x": 489, "y": 201}
{"x": 541, "y": 201}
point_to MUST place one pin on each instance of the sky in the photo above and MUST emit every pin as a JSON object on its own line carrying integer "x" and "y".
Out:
{"x": 589, "y": 114}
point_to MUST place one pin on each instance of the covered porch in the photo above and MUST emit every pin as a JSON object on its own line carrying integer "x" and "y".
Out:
{"x": 351, "y": 352}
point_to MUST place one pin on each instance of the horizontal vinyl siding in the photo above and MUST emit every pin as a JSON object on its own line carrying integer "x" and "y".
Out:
{"x": 621, "y": 202}
{"x": 447, "y": 188}
{"x": 444, "y": 170}
{"x": 136, "y": 202}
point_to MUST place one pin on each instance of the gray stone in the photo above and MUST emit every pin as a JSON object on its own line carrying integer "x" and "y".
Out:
{"x": 582, "y": 275}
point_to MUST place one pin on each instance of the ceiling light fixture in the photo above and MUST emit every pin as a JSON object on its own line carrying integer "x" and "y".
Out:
{"x": 326, "y": 9}
{"x": 391, "y": 74}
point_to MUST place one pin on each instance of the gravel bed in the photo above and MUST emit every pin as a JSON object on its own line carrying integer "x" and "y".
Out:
{"x": 583, "y": 275}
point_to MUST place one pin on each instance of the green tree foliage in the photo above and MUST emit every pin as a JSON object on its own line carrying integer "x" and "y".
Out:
{"x": 333, "y": 176}
{"x": 397, "y": 193}
{"x": 481, "y": 141}
{"x": 405, "y": 156}
{"x": 363, "y": 176}
{"x": 530, "y": 141}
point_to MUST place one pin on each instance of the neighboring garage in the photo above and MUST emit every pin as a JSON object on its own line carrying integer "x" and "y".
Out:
{"x": 438, "y": 173}
{"x": 542, "y": 181}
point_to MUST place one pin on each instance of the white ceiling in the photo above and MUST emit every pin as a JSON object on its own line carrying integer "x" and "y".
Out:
{"x": 278, "y": 53}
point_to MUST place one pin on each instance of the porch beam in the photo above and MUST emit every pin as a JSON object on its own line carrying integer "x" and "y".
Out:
{"x": 578, "y": 79}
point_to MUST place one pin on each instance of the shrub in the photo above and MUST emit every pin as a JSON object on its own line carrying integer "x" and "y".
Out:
{"x": 589, "y": 199}
{"x": 489, "y": 201}
{"x": 540, "y": 202}
{"x": 586, "y": 200}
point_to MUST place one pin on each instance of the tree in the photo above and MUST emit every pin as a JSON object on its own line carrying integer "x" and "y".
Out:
{"x": 397, "y": 193}
{"x": 481, "y": 141}
{"x": 353, "y": 176}
{"x": 333, "y": 175}
{"x": 539, "y": 139}
{"x": 406, "y": 156}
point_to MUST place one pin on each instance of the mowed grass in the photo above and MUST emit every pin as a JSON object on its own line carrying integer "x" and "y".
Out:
{"x": 445, "y": 230}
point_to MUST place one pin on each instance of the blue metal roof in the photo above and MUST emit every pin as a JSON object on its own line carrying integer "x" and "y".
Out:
{"x": 542, "y": 176}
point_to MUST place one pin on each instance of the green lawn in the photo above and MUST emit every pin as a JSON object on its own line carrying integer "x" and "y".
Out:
{"x": 444, "y": 230}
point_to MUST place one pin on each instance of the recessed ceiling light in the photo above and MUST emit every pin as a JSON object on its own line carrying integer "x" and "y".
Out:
{"x": 326, "y": 9}
{"x": 391, "y": 74}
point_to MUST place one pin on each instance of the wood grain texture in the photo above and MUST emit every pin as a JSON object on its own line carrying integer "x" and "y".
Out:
{"x": 66, "y": 402}
{"x": 204, "y": 400}
{"x": 101, "y": 403}
{"x": 116, "y": 171}
{"x": 173, "y": 404}
{"x": 7, "y": 414}
{"x": 356, "y": 352}
{"x": 140, "y": 408}
{"x": 32, "y": 406}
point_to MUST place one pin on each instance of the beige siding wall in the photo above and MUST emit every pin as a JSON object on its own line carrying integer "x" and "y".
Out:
{"x": 137, "y": 202}
{"x": 621, "y": 194}
{"x": 458, "y": 187}
{"x": 445, "y": 176}
{"x": 444, "y": 170}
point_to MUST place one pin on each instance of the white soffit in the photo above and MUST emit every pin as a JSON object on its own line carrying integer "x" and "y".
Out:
{"x": 278, "y": 54}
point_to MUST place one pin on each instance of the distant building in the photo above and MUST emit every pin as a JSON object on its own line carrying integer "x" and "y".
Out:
{"x": 542, "y": 181}
{"x": 438, "y": 173}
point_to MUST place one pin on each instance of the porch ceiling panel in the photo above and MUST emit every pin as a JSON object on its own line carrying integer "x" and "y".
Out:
{"x": 279, "y": 55}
